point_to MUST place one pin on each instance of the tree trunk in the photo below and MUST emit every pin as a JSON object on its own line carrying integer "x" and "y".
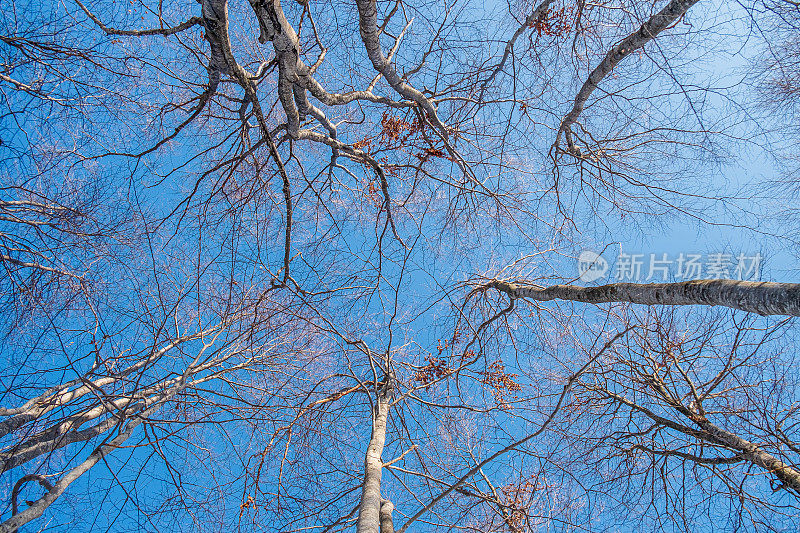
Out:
{"x": 369, "y": 510}
{"x": 646, "y": 33}
{"x": 764, "y": 298}
{"x": 387, "y": 525}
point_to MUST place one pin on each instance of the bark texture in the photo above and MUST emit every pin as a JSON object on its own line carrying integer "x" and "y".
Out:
{"x": 38, "y": 507}
{"x": 764, "y": 298}
{"x": 710, "y": 432}
{"x": 787, "y": 474}
{"x": 646, "y": 33}
{"x": 369, "y": 510}
{"x": 387, "y": 525}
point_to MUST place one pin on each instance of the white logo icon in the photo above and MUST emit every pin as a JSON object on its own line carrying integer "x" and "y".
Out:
{"x": 591, "y": 266}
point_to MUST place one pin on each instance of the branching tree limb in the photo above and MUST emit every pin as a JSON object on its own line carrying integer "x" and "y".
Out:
{"x": 646, "y": 33}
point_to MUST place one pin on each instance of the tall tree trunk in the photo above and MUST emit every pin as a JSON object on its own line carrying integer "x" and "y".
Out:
{"x": 764, "y": 298}
{"x": 369, "y": 510}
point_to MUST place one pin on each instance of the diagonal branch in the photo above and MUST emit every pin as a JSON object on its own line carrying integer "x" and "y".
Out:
{"x": 567, "y": 386}
{"x": 646, "y": 33}
{"x": 141, "y": 33}
{"x": 528, "y": 23}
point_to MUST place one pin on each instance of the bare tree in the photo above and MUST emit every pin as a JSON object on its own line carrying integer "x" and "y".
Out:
{"x": 235, "y": 238}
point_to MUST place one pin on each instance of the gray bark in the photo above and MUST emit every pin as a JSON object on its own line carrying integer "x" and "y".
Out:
{"x": 370, "y": 36}
{"x": 368, "y": 28}
{"x": 38, "y": 507}
{"x": 646, "y": 33}
{"x": 56, "y": 437}
{"x": 369, "y": 510}
{"x": 162, "y": 394}
{"x": 787, "y": 474}
{"x": 67, "y": 430}
{"x": 710, "y": 432}
{"x": 61, "y": 395}
{"x": 215, "y": 21}
{"x": 387, "y": 525}
{"x": 764, "y": 298}
{"x": 295, "y": 77}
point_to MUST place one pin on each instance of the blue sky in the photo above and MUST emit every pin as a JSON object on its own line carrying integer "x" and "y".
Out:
{"x": 415, "y": 298}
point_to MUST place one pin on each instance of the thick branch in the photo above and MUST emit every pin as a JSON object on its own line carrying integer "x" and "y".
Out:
{"x": 710, "y": 432}
{"x": 19, "y": 484}
{"x": 63, "y": 394}
{"x": 140, "y": 33}
{"x": 368, "y": 27}
{"x": 646, "y": 33}
{"x": 370, "y": 36}
{"x": 38, "y": 507}
{"x": 787, "y": 474}
{"x": 215, "y": 21}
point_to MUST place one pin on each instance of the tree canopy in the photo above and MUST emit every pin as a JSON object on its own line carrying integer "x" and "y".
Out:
{"x": 399, "y": 266}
